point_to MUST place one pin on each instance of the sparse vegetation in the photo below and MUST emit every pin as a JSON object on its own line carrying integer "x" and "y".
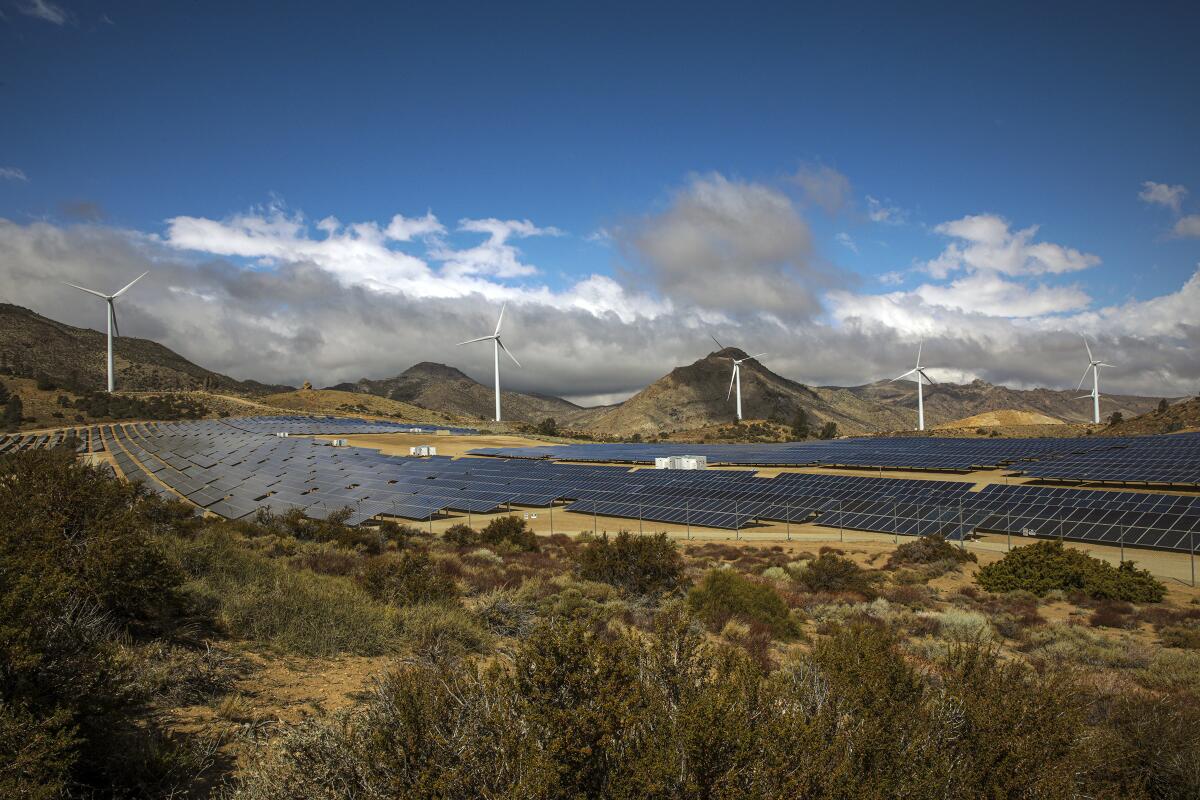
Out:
{"x": 572, "y": 668}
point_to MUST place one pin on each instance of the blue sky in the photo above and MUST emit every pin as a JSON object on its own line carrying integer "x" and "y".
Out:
{"x": 597, "y": 118}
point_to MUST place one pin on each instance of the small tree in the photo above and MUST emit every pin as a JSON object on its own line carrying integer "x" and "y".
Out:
{"x": 14, "y": 411}
{"x": 548, "y": 427}
{"x": 829, "y": 430}
{"x": 1115, "y": 418}
{"x": 1163, "y": 405}
{"x": 3, "y": 393}
{"x": 800, "y": 424}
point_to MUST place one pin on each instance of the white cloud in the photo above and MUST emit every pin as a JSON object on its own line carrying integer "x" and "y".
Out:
{"x": 847, "y": 241}
{"x": 990, "y": 294}
{"x": 45, "y": 10}
{"x": 986, "y": 242}
{"x": 892, "y": 278}
{"x": 1188, "y": 226}
{"x": 883, "y": 212}
{"x": 823, "y": 186}
{"x": 495, "y": 256}
{"x": 1163, "y": 194}
{"x": 13, "y": 174}
{"x": 733, "y": 246}
{"x": 405, "y": 229}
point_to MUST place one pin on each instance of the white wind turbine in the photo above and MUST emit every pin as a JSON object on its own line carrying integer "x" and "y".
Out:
{"x": 113, "y": 330}
{"x": 498, "y": 346}
{"x": 735, "y": 381}
{"x": 918, "y": 373}
{"x": 1094, "y": 366}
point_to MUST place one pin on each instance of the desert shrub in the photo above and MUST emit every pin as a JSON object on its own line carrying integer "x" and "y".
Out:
{"x": 505, "y": 614}
{"x": 928, "y": 550}
{"x": 1073, "y": 644}
{"x": 1173, "y": 671}
{"x": 957, "y": 623}
{"x": 461, "y": 535}
{"x": 406, "y": 579}
{"x": 1152, "y": 747}
{"x": 831, "y": 572}
{"x": 511, "y": 531}
{"x": 724, "y": 594}
{"x": 1112, "y": 614}
{"x": 439, "y": 632}
{"x": 1185, "y": 637}
{"x": 37, "y": 753}
{"x": 1046, "y": 566}
{"x": 638, "y": 564}
{"x": 252, "y": 596}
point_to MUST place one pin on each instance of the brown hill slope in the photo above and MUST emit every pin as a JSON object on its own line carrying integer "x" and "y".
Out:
{"x": 1003, "y": 418}
{"x": 333, "y": 401}
{"x": 946, "y": 402}
{"x": 1181, "y": 416}
{"x": 443, "y": 388}
{"x": 694, "y": 397}
{"x": 31, "y": 344}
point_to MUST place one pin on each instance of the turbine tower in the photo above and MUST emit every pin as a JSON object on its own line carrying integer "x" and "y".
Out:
{"x": 1094, "y": 366}
{"x": 113, "y": 330}
{"x": 918, "y": 373}
{"x": 735, "y": 381}
{"x": 497, "y": 347}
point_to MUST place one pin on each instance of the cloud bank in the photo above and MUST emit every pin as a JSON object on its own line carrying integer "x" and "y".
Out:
{"x": 271, "y": 295}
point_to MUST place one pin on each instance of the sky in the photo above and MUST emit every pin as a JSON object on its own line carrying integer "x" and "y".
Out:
{"x": 329, "y": 192}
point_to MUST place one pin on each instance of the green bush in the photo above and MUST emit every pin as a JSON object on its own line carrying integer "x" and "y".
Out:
{"x": 1049, "y": 566}
{"x": 461, "y": 535}
{"x": 830, "y": 572}
{"x": 928, "y": 550}
{"x": 725, "y": 594}
{"x": 638, "y": 564}
{"x": 511, "y": 531}
{"x": 406, "y": 579}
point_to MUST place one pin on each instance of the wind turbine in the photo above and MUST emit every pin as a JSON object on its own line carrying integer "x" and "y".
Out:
{"x": 735, "y": 381}
{"x": 498, "y": 346}
{"x": 113, "y": 330}
{"x": 918, "y": 372}
{"x": 1094, "y": 366}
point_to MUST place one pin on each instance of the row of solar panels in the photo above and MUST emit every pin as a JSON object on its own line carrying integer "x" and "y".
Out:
{"x": 86, "y": 439}
{"x": 329, "y": 425}
{"x": 253, "y": 470}
{"x": 1151, "y": 460}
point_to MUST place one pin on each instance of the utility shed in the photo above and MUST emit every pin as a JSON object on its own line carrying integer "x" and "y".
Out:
{"x": 422, "y": 450}
{"x": 681, "y": 462}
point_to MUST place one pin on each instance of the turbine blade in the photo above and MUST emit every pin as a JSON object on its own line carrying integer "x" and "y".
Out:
{"x": 732, "y": 378}
{"x": 1102, "y": 364}
{"x": 1089, "y": 349}
{"x": 501, "y": 319}
{"x": 131, "y": 283}
{"x": 85, "y": 289}
{"x": 926, "y": 377}
{"x": 1084, "y": 397}
{"x": 505, "y": 349}
{"x": 1084, "y": 378}
{"x": 719, "y": 345}
{"x": 473, "y": 341}
{"x": 920, "y": 347}
{"x": 905, "y": 375}
{"x": 112, "y": 309}
{"x": 760, "y": 355}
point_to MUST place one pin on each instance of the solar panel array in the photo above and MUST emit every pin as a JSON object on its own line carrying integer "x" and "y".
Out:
{"x": 87, "y": 440}
{"x": 329, "y": 425}
{"x": 1160, "y": 460}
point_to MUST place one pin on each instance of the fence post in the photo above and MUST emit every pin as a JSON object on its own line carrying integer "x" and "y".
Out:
{"x": 787, "y": 516}
{"x": 593, "y": 517}
{"x": 841, "y": 522}
{"x": 962, "y": 536}
{"x": 1008, "y": 527}
{"x": 1060, "y": 525}
{"x": 895, "y": 523}
{"x": 687, "y": 515}
{"x": 737, "y": 526}
{"x": 551, "y": 517}
{"x": 1192, "y": 551}
{"x": 1122, "y": 544}
{"x": 640, "y": 509}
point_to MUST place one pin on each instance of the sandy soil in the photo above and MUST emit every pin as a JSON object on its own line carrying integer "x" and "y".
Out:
{"x": 1002, "y": 418}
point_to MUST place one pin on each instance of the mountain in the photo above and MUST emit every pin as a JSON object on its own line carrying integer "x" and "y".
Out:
{"x": 32, "y": 345}
{"x": 446, "y": 389}
{"x": 946, "y": 402}
{"x": 1183, "y": 415}
{"x": 694, "y": 397}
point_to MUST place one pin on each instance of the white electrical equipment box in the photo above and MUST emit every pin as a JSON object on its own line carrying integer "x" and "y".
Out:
{"x": 423, "y": 450}
{"x": 681, "y": 462}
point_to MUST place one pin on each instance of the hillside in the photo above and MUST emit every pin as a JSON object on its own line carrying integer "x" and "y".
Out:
{"x": 1176, "y": 417}
{"x": 946, "y": 402}
{"x": 1003, "y": 418}
{"x": 333, "y": 401}
{"x": 694, "y": 397}
{"x": 443, "y": 388}
{"x": 31, "y": 345}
